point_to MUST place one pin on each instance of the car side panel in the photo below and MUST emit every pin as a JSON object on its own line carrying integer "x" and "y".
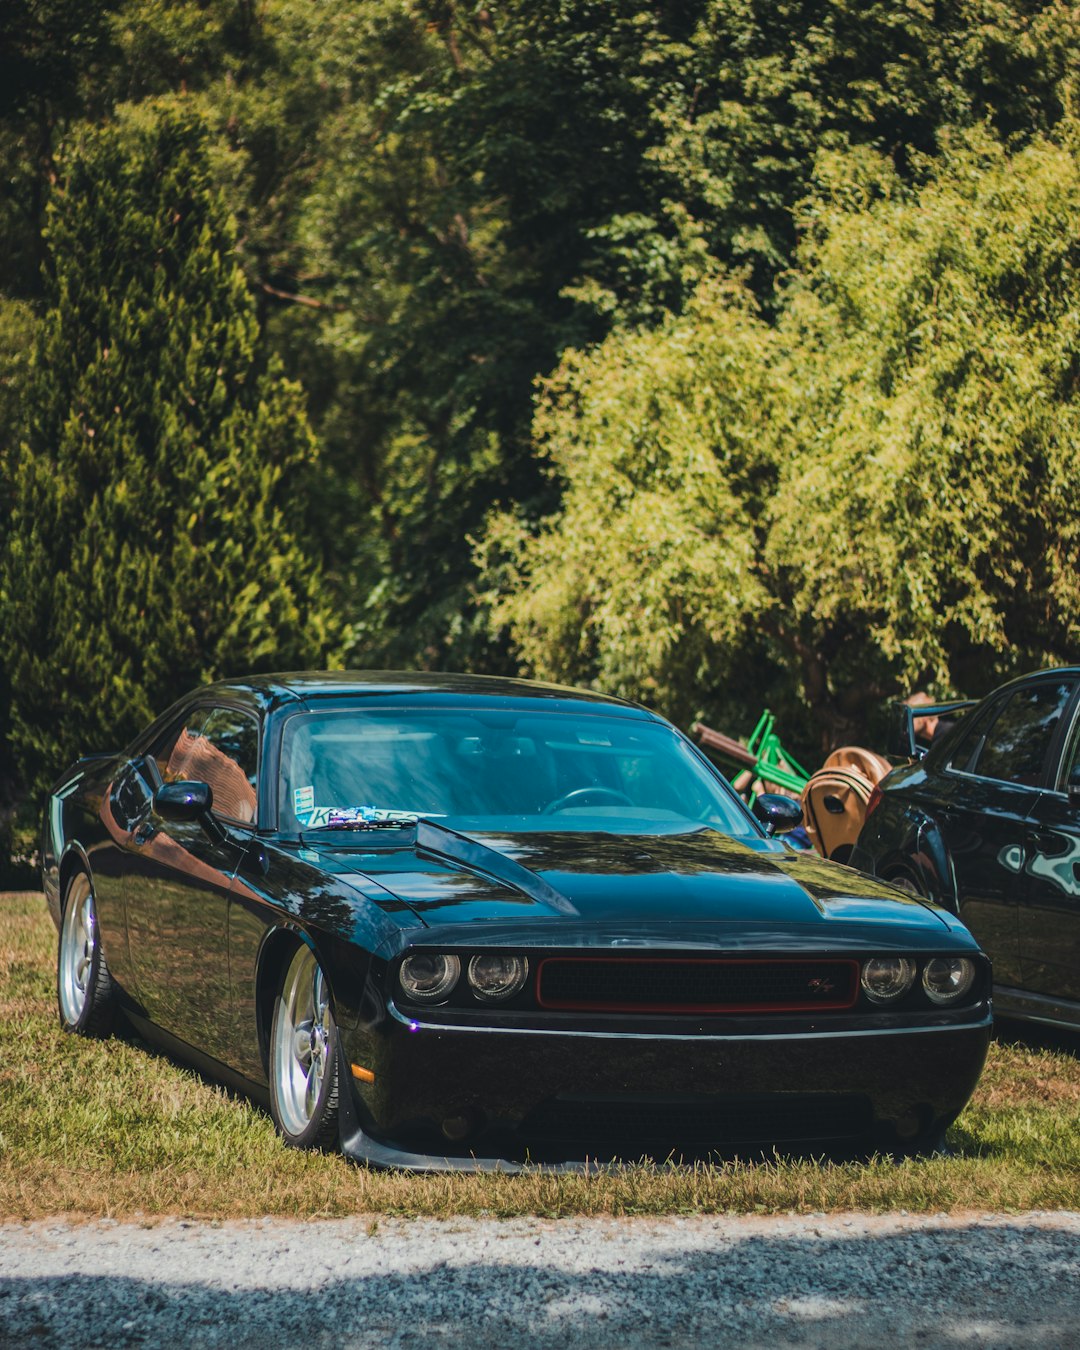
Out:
{"x": 178, "y": 880}
{"x": 1050, "y": 913}
{"x": 983, "y": 825}
{"x": 964, "y": 840}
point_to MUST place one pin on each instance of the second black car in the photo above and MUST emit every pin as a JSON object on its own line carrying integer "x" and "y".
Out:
{"x": 988, "y": 824}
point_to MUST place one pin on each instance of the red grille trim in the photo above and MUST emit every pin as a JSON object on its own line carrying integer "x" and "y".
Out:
{"x": 849, "y": 967}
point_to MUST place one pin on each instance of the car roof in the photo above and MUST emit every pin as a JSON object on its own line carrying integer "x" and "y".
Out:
{"x": 308, "y": 686}
{"x": 1044, "y": 673}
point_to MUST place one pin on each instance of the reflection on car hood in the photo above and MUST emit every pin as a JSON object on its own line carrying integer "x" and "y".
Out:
{"x": 607, "y": 879}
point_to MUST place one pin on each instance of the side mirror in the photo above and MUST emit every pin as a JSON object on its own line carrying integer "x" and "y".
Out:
{"x": 189, "y": 801}
{"x": 778, "y": 814}
{"x": 184, "y": 801}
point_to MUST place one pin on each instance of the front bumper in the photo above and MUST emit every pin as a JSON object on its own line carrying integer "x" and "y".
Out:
{"x": 484, "y": 1098}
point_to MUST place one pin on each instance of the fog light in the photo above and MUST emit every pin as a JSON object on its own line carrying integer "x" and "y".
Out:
{"x": 948, "y": 978}
{"x": 495, "y": 976}
{"x": 428, "y": 977}
{"x": 887, "y": 978}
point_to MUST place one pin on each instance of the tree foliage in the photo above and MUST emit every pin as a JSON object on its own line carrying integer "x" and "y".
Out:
{"x": 938, "y": 334}
{"x": 769, "y": 84}
{"x": 150, "y": 544}
{"x": 647, "y": 579}
{"x": 882, "y": 485}
{"x": 439, "y": 204}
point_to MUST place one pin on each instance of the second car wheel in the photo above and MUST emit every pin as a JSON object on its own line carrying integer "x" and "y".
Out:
{"x": 304, "y": 1056}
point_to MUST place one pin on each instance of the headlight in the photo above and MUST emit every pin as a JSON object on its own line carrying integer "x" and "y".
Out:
{"x": 428, "y": 977}
{"x": 948, "y": 978}
{"x": 494, "y": 976}
{"x": 887, "y": 978}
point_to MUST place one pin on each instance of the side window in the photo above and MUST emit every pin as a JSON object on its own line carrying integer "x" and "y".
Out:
{"x": 219, "y": 746}
{"x": 970, "y": 741}
{"x": 1016, "y": 746}
{"x": 227, "y": 757}
{"x": 172, "y": 753}
{"x": 1069, "y": 777}
{"x": 232, "y": 738}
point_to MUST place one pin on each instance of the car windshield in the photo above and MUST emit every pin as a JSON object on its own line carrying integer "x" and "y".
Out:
{"x": 478, "y": 769}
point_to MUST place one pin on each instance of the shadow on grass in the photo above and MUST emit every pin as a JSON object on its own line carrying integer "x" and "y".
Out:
{"x": 1036, "y": 1036}
{"x": 964, "y": 1143}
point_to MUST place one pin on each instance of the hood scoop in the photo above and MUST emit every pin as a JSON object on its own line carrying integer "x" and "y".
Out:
{"x": 446, "y": 845}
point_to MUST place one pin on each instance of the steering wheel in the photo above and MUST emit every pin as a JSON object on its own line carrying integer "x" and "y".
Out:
{"x": 587, "y": 796}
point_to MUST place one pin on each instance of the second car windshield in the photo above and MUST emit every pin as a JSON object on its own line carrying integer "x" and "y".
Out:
{"x": 479, "y": 769}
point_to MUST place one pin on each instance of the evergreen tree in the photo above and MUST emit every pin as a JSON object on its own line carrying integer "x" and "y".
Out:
{"x": 151, "y": 544}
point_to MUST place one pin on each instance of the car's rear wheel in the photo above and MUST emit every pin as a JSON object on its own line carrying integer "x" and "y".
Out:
{"x": 304, "y": 1056}
{"x": 85, "y": 991}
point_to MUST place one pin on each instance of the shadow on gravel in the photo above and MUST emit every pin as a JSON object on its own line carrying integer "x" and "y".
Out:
{"x": 990, "y": 1287}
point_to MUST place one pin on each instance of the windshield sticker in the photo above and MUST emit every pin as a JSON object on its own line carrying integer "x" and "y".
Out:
{"x": 303, "y": 800}
{"x": 347, "y": 817}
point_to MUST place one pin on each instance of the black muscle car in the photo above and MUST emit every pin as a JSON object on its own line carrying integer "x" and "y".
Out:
{"x": 987, "y": 824}
{"x": 448, "y": 921}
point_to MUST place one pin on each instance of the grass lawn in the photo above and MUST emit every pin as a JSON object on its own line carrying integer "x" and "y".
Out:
{"x": 114, "y": 1129}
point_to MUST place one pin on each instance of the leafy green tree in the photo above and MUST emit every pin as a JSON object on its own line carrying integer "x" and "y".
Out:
{"x": 54, "y": 55}
{"x": 152, "y": 541}
{"x": 499, "y": 184}
{"x": 17, "y": 329}
{"x": 436, "y": 199}
{"x": 876, "y": 494}
{"x": 926, "y": 527}
{"x": 647, "y": 581}
{"x": 766, "y": 85}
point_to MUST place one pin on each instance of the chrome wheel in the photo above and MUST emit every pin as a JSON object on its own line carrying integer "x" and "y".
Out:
{"x": 302, "y": 1051}
{"x": 78, "y": 944}
{"x": 903, "y": 882}
{"x": 84, "y": 988}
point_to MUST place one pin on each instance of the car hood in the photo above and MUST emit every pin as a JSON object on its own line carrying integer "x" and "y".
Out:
{"x": 637, "y": 883}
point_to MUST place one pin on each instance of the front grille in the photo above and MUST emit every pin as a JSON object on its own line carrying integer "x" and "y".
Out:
{"x": 629, "y": 1126}
{"x": 679, "y": 985}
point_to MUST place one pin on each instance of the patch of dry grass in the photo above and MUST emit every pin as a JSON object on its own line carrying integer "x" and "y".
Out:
{"x": 111, "y": 1128}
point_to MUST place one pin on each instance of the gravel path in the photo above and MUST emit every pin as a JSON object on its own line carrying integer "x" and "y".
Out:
{"x": 750, "y": 1282}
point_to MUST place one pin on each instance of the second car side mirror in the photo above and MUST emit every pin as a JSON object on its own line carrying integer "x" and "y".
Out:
{"x": 778, "y": 814}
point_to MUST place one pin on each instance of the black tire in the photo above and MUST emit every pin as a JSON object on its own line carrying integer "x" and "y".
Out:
{"x": 304, "y": 1086}
{"x": 932, "y": 1145}
{"x": 85, "y": 993}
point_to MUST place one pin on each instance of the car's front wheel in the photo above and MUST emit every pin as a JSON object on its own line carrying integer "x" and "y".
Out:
{"x": 84, "y": 988}
{"x": 905, "y": 880}
{"x": 304, "y": 1056}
